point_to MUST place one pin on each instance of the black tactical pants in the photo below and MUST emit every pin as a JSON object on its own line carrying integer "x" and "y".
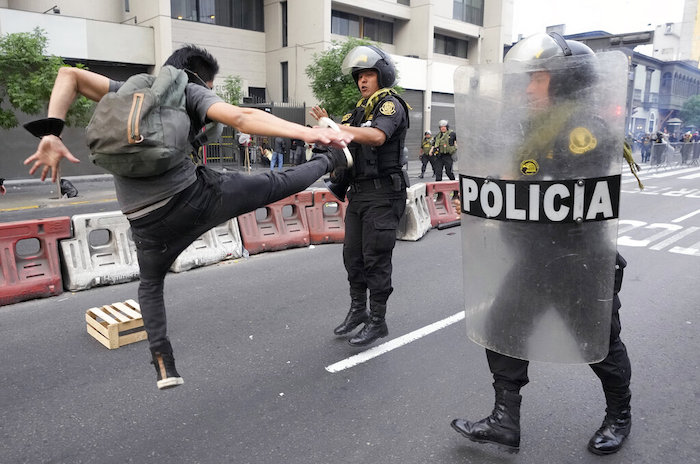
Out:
{"x": 211, "y": 200}
{"x": 370, "y": 236}
{"x": 446, "y": 161}
{"x": 614, "y": 371}
{"x": 425, "y": 159}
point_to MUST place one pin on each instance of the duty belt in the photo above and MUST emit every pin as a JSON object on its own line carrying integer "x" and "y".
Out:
{"x": 393, "y": 182}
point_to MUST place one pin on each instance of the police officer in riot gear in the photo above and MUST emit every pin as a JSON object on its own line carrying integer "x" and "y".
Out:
{"x": 376, "y": 189}
{"x": 557, "y": 134}
{"x": 444, "y": 147}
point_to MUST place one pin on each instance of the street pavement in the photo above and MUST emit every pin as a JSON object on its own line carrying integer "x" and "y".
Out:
{"x": 267, "y": 382}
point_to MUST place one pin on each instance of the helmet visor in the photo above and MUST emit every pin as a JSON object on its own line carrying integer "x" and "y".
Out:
{"x": 360, "y": 58}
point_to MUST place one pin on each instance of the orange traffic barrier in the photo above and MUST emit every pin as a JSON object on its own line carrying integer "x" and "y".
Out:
{"x": 29, "y": 258}
{"x": 438, "y": 196}
{"x": 326, "y": 217}
{"x": 283, "y": 226}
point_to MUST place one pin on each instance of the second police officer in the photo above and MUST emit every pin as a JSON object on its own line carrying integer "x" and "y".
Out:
{"x": 444, "y": 147}
{"x": 566, "y": 266}
{"x": 376, "y": 189}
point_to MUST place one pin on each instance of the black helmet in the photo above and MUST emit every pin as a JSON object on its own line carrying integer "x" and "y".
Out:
{"x": 370, "y": 57}
{"x": 572, "y": 64}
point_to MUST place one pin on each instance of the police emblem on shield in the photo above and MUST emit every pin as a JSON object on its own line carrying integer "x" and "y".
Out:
{"x": 540, "y": 202}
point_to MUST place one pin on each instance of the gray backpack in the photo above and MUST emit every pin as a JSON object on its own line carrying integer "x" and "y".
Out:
{"x": 141, "y": 129}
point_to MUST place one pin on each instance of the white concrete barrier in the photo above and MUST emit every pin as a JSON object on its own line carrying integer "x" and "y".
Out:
{"x": 415, "y": 222}
{"x": 218, "y": 244}
{"x": 101, "y": 252}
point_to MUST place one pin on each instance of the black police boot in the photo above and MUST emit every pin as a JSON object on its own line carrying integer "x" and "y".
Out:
{"x": 501, "y": 428}
{"x": 338, "y": 158}
{"x": 616, "y": 426}
{"x": 357, "y": 315}
{"x": 374, "y": 329}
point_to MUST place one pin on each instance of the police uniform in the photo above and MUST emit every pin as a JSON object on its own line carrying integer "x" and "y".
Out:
{"x": 377, "y": 199}
{"x": 584, "y": 140}
{"x": 558, "y": 134}
{"x": 426, "y": 157}
{"x": 444, "y": 143}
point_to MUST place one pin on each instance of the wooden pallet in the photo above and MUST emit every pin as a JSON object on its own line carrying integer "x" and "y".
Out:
{"x": 117, "y": 324}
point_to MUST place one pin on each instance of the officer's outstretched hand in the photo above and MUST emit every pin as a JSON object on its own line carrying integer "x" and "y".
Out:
{"x": 317, "y": 112}
{"x": 48, "y": 156}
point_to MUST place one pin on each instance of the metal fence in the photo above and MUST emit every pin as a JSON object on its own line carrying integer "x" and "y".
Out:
{"x": 228, "y": 152}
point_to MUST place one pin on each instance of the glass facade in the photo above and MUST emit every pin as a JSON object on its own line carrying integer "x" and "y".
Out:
{"x": 451, "y": 46}
{"x": 241, "y": 14}
{"x": 357, "y": 26}
{"x": 469, "y": 11}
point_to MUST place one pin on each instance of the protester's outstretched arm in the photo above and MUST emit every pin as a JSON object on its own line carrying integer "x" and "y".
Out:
{"x": 364, "y": 135}
{"x": 70, "y": 82}
{"x": 255, "y": 121}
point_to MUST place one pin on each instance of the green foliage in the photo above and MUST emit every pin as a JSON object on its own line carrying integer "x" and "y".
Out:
{"x": 27, "y": 77}
{"x": 232, "y": 91}
{"x": 337, "y": 93}
{"x": 690, "y": 113}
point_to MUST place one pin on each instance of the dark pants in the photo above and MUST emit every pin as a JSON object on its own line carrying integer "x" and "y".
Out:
{"x": 212, "y": 199}
{"x": 614, "y": 371}
{"x": 370, "y": 236}
{"x": 446, "y": 161}
{"x": 425, "y": 159}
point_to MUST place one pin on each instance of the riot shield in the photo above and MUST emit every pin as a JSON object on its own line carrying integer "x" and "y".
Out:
{"x": 540, "y": 196}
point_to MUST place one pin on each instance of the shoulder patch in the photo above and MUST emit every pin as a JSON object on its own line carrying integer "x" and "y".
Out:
{"x": 388, "y": 108}
{"x": 581, "y": 140}
{"x": 345, "y": 118}
{"x": 529, "y": 167}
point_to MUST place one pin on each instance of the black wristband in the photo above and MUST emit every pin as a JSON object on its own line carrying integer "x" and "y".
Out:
{"x": 46, "y": 126}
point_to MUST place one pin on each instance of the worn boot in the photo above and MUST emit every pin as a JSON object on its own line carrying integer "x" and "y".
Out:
{"x": 164, "y": 363}
{"x": 374, "y": 329}
{"x": 357, "y": 315}
{"x": 501, "y": 428}
{"x": 609, "y": 438}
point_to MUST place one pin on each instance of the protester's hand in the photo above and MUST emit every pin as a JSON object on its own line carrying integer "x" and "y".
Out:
{"x": 457, "y": 204}
{"x": 48, "y": 157}
{"x": 328, "y": 136}
{"x": 3, "y": 190}
{"x": 317, "y": 112}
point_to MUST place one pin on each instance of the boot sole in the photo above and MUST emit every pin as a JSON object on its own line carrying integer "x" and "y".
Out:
{"x": 603, "y": 452}
{"x": 501, "y": 446}
{"x": 367, "y": 342}
{"x": 170, "y": 382}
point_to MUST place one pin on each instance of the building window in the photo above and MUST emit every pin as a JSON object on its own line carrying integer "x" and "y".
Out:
{"x": 445, "y": 45}
{"x": 285, "y": 82}
{"x": 357, "y": 26}
{"x": 404, "y": 2}
{"x": 241, "y": 14}
{"x": 379, "y": 31}
{"x": 284, "y": 23}
{"x": 469, "y": 11}
{"x": 345, "y": 24}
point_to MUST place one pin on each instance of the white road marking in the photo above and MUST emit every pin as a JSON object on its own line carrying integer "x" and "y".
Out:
{"x": 379, "y": 350}
{"x": 689, "y": 215}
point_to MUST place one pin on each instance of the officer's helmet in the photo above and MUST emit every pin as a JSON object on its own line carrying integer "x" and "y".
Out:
{"x": 572, "y": 64}
{"x": 366, "y": 57}
{"x": 443, "y": 123}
